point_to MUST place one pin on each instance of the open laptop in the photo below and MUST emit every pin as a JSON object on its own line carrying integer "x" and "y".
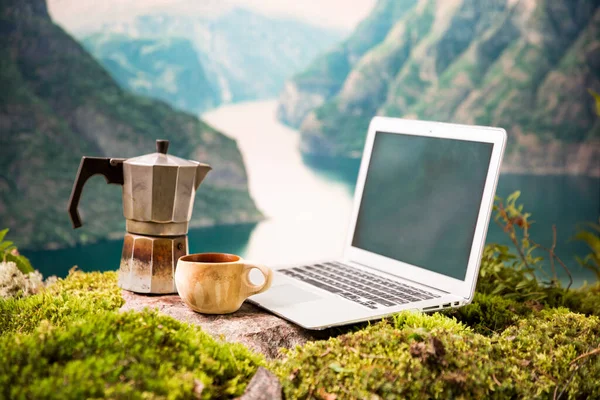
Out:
{"x": 422, "y": 205}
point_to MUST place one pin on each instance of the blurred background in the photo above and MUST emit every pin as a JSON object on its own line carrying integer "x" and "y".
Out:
{"x": 277, "y": 97}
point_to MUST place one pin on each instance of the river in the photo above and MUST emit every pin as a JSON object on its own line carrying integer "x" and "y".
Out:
{"x": 308, "y": 201}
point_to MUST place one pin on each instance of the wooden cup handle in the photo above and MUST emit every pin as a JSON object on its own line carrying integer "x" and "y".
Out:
{"x": 252, "y": 289}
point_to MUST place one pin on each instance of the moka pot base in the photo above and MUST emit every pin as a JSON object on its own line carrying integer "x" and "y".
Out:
{"x": 148, "y": 262}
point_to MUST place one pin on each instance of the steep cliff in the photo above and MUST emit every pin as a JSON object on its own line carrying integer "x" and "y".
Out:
{"x": 327, "y": 73}
{"x": 167, "y": 69}
{"x": 525, "y": 66}
{"x": 57, "y": 104}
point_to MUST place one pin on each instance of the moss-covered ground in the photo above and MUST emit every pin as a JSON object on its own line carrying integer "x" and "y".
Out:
{"x": 70, "y": 341}
{"x": 521, "y": 337}
{"x": 418, "y": 356}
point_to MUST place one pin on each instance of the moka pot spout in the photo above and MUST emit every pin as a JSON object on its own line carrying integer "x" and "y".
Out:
{"x": 201, "y": 171}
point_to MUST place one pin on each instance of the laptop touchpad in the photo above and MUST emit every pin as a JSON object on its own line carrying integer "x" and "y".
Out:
{"x": 284, "y": 295}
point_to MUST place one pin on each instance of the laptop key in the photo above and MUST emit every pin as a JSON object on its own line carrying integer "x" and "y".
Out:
{"x": 385, "y": 302}
{"x": 322, "y": 286}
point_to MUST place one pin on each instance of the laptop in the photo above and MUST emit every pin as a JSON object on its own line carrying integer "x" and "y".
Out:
{"x": 422, "y": 205}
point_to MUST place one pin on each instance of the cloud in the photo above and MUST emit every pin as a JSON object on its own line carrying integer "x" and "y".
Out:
{"x": 333, "y": 13}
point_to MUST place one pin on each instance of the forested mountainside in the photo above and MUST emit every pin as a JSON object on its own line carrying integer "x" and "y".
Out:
{"x": 164, "y": 68}
{"x": 58, "y": 104}
{"x": 523, "y": 65}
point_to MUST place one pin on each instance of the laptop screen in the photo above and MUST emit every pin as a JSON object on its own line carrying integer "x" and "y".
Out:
{"x": 421, "y": 200}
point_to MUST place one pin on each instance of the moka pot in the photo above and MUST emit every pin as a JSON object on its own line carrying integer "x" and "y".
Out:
{"x": 158, "y": 198}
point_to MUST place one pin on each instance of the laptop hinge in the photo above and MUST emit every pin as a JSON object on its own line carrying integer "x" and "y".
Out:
{"x": 406, "y": 279}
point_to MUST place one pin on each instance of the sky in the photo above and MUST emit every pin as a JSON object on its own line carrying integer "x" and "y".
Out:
{"x": 337, "y": 14}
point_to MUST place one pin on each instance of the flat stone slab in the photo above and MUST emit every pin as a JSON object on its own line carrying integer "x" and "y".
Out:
{"x": 252, "y": 326}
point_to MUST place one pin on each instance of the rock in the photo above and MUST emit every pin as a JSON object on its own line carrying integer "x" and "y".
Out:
{"x": 295, "y": 103}
{"x": 263, "y": 386}
{"x": 13, "y": 282}
{"x": 252, "y": 326}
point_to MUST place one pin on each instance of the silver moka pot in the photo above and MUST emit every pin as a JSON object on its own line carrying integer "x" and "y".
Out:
{"x": 158, "y": 198}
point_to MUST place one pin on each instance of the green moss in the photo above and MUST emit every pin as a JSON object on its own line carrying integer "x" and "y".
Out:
{"x": 585, "y": 300}
{"x": 434, "y": 321}
{"x": 489, "y": 314}
{"x": 70, "y": 341}
{"x": 122, "y": 355}
{"x": 424, "y": 360}
{"x": 78, "y": 296}
{"x": 540, "y": 354}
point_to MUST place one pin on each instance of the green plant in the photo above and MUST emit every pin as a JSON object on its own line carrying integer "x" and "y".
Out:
{"x": 592, "y": 239}
{"x": 508, "y": 288}
{"x": 492, "y": 313}
{"x": 504, "y": 273}
{"x": 515, "y": 222}
{"x": 9, "y": 252}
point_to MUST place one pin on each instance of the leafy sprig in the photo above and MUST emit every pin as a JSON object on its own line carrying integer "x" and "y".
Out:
{"x": 9, "y": 252}
{"x": 590, "y": 237}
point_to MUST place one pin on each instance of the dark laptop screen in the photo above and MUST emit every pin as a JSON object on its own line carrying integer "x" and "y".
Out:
{"x": 421, "y": 200}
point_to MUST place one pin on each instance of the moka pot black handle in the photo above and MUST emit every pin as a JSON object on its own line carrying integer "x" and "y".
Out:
{"x": 111, "y": 168}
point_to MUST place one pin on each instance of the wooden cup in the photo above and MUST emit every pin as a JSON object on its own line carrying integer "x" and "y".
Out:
{"x": 217, "y": 283}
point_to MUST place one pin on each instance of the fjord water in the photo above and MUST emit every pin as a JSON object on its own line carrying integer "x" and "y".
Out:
{"x": 307, "y": 202}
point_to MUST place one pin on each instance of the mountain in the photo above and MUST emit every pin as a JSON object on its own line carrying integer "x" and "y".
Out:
{"x": 326, "y": 74}
{"x": 245, "y": 55}
{"x": 522, "y": 65}
{"x": 58, "y": 104}
{"x": 167, "y": 69}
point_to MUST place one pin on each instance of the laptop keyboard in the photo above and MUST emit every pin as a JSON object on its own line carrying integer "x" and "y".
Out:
{"x": 369, "y": 290}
